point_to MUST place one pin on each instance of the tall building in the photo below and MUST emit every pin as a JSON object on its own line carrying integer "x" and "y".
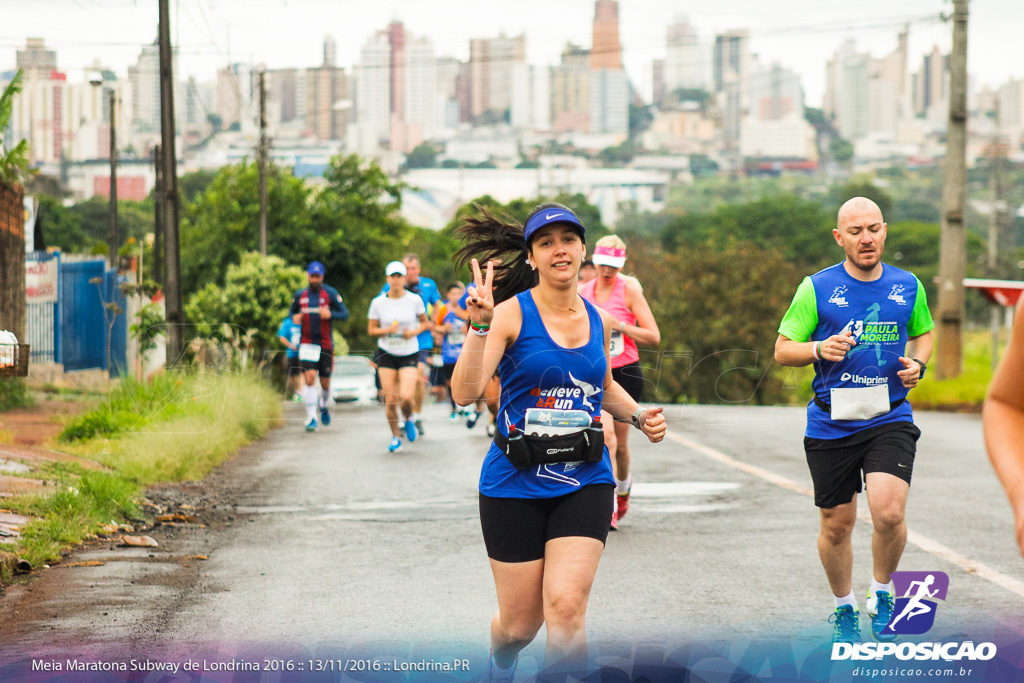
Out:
{"x": 35, "y": 60}
{"x": 373, "y": 91}
{"x": 658, "y": 82}
{"x": 531, "y": 97}
{"x": 848, "y": 91}
{"x": 491, "y": 63}
{"x": 237, "y": 99}
{"x": 570, "y": 90}
{"x": 609, "y": 101}
{"x": 144, "y": 79}
{"x": 326, "y": 90}
{"x": 932, "y": 82}
{"x": 685, "y": 61}
{"x": 396, "y": 39}
{"x": 606, "y": 52}
{"x": 283, "y": 94}
{"x": 731, "y": 72}
{"x": 421, "y": 95}
{"x": 775, "y": 92}
{"x": 447, "y": 88}
{"x": 330, "y": 51}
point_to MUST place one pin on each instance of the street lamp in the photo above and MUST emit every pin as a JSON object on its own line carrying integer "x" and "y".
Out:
{"x": 96, "y": 80}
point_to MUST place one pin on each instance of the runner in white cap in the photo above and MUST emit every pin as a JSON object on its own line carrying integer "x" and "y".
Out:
{"x": 634, "y": 323}
{"x": 396, "y": 318}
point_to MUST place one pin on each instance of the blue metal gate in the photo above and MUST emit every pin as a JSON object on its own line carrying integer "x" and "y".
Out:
{"x": 74, "y": 330}
{"x": 83, "y": 329}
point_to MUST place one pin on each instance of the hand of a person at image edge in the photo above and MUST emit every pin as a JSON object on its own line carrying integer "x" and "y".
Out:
{"x": 837, "y": 346}
{"x": 654, "y": 425}
{"x": 480, "y": 303}
{"x": 911, "y": 372}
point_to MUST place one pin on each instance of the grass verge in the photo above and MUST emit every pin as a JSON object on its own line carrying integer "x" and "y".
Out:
{"x": 178, "y": 427}
{"x": 14, "y": 393}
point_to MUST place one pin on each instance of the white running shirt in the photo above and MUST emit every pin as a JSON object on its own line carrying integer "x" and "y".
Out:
{"x": 406, "y": 310}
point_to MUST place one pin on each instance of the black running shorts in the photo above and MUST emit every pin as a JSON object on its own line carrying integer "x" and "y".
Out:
{"x": 516, "y": 529}
{"x": 324, "y": 366}
{"x": 387, "y": 361}
{"x": 838, "y": 466}
{"x": 631, "y": 378}
{"x": 294, "y": 366}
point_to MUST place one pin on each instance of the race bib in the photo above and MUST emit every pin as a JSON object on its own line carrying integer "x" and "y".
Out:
{"x": 392, "y": 342}
{"x": 541, "y": 422}
{"x": 860, "y": 403}
{"x": 309, "y": 352}
{"x": 617, "y": 344}
{"x": 456, "y": 337}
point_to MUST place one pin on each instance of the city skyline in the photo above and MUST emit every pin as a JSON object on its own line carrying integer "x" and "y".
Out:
{"x": 213, "y": 33}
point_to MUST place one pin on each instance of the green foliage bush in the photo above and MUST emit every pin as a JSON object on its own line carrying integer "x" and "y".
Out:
{"x": 14, "y": 394}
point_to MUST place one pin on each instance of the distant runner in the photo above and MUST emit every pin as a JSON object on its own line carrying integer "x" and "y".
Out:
{"x": 396, "y": 319}
{"x": 290, "y": 335}
{"x": 632, "y": 324}
{"x": 866, "y": 328}
{"x": 314, "y": 308}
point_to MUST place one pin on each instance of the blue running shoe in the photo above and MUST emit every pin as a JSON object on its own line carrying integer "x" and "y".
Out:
{"x": 847, "y": 625}
{"x": 325, "y": 416}
{"x": 880, "y": 607}
{"x": 471, "y": 419}
{"x": 410, "y": 430}
{"x": 502, "y": 676}
{"x": 395, "y": 445}
{"x": 311, "y": 425}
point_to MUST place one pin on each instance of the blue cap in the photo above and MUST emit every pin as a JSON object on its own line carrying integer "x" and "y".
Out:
{"x": 315, "y": 268}
{"x": 548, "y": 217}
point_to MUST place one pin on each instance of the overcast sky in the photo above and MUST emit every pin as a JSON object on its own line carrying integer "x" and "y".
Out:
{"x": 798, "y": 34}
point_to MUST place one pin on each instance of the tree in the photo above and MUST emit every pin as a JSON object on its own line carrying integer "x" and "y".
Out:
{"x": 718, "y": 310}
{"x": 860, "y": 186}
{"x": 254, "y": 298}
{"x": 422, "y": 156}
{"x": 640, "y": 118}
{"x": 62, "y": 227}
{"x": 13, "y": 160}
{"x": 841, "y": 150}
{"x": 223, "y": 223}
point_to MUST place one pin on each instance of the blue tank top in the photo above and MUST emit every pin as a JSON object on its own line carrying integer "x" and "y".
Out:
{"x": 550, "y": 385}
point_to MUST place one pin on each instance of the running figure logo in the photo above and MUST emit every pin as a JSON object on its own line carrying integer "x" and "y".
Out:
{"x": 914, "y": 612}
{"x": 837, "y": 297}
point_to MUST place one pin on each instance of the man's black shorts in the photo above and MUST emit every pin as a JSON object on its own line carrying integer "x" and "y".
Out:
{"x": 324, "y": 366}
{"x": 516, "y": 529}
{"x": 838, "y": 466}
{"x": 294, "y": 367}
{"x": 388, "y": 362}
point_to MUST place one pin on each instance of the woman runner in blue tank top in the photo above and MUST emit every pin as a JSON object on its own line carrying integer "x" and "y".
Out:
{"x": 544, "y": 525}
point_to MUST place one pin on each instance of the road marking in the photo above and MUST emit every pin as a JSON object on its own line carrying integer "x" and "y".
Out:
{"x": 921, "y": 541}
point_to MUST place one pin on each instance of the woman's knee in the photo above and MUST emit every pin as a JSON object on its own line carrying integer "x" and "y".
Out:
{"x": 520, "y": 628}
{"x": 566, "y": 611}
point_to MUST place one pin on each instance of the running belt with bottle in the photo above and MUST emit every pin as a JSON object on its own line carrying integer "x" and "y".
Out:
{"x": 863, "y": 390}
{"x": 622, "y": 348}
{"x": 548, "y": 390}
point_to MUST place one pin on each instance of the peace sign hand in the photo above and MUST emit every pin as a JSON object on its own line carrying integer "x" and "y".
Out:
{"x": 480, "y": 303}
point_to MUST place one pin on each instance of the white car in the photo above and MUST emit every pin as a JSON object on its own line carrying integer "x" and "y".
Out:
{"x": 353, "y": 379}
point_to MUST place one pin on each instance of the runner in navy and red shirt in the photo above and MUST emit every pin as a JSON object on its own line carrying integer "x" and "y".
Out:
{"x": 314, "y": 308}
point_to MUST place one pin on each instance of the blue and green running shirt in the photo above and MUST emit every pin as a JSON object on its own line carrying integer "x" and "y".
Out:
{"x": 882, "y": 314}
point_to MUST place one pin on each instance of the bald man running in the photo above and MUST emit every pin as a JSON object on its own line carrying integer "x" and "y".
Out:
{"x": 866, "y": 328}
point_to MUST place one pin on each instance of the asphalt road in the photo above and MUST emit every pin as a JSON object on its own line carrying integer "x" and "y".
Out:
{"x": 325, "y": 543}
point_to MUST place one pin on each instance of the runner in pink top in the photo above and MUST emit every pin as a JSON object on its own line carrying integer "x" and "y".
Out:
{"x": 633, "y": 323}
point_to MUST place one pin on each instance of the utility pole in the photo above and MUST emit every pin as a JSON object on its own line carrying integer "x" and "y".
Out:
{"x": 995, "y": 223}
{"x": 158, "y": 219}
{"x": 263, "y": 162}
{"x": 952, "y": 246}
{"x": 114, "y": 242}
{"x": 172, "y": 240}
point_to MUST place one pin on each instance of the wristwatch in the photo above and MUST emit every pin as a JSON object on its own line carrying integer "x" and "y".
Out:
{"x": 622, "y": 326}
{"x": 636, "y": 418}
{"x": 924, "y": 366}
